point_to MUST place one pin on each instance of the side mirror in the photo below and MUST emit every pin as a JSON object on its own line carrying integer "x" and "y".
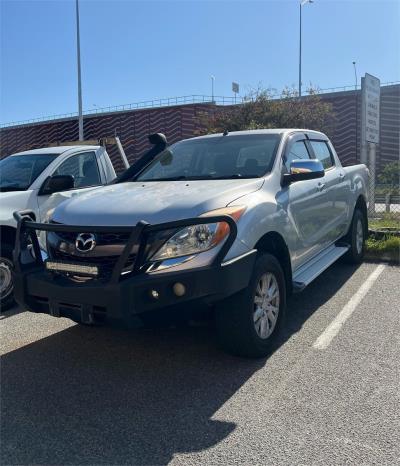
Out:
{"x": 301, "y": 170}
{"x": 57, "y": 183}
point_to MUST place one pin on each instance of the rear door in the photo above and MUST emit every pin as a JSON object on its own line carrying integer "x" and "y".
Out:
{"x": 335, "y": 188}
{"x": 84, "y": 168}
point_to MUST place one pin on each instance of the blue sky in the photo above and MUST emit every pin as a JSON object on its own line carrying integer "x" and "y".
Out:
{"x": 138, "y": 50}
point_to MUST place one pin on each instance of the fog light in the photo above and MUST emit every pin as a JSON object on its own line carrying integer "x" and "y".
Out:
{"x": 154, "y": 294}
{"x": 179, "y": 289}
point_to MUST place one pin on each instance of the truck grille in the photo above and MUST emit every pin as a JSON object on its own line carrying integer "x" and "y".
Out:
{"x": 109, "y": 246}
{"x": 101, "y": 238}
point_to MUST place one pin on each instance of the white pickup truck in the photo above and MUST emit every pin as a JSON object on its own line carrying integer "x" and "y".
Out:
{"x": 37, "y": 181}
{"x": 235, "y": 221}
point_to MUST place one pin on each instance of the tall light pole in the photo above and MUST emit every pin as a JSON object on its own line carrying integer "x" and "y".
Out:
{"x": 356, "y": 103}
{"x": 355, "y": 75}
{"x": 302, "y": 2}
{"x": 78, "y": 53}
{"x": 212, "y": 88}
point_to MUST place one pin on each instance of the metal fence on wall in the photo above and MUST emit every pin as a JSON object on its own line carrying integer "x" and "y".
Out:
{"x": 384, "y": 192}
{"x": 174, "y": 101}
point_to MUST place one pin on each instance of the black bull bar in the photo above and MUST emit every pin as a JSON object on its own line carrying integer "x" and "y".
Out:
{"x": 26, "y": 237}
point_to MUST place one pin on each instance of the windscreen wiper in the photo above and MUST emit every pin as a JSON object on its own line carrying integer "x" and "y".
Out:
{"x": 179, "y": 178}
{"x": 170, "y": 178}
{"x": 236, "y": 176}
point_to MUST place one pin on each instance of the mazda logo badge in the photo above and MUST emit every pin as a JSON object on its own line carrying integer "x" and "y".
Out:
{"x": 85, "y": 242}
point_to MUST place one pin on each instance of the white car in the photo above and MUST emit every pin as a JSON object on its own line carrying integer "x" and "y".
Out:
{"x": 38, "y": 180}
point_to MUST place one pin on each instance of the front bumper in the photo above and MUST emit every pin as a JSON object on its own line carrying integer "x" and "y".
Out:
{"x": 124, "y": 298}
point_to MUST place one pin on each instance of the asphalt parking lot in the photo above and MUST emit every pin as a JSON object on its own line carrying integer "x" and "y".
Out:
{"x": 73, "y": 395}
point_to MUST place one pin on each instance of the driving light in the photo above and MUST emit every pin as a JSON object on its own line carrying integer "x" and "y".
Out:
{"x": 72, "y": 268}
{"x": 195, "y": 239}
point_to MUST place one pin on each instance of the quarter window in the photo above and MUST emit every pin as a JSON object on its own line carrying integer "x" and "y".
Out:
{"x": 322, "y": 153}
{"x": 83, "y": 167}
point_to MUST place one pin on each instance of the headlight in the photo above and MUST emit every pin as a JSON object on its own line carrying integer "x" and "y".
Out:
{"x": 195, "y": 239}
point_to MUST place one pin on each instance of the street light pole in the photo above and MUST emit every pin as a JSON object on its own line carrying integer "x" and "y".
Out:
{"x": 302, "y": 2}
{"x": 356, "y": 103}
{"x": 355, "y": 75}
{"x": 78, "y": 53}
{"x": 212, "y": 88}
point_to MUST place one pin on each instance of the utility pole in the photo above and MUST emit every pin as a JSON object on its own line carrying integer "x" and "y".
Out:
{"x": 78, "y": 53}
{"x": 212, "y": 88}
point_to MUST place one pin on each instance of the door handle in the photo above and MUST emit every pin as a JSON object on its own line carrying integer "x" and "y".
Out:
{"x": 321, "y": 186}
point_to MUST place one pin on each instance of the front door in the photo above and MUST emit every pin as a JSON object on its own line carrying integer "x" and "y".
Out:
{"x": 306, "y": 203}
{"x": 85, "y": 170}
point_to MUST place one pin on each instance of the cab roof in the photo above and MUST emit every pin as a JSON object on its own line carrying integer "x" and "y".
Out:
{"x": 56, "y": 150}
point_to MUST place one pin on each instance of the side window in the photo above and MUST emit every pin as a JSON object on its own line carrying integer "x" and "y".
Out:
{"x": 83, "y": 167}
{"x": 322, "y": 153}
{"x": 297, "y": 151}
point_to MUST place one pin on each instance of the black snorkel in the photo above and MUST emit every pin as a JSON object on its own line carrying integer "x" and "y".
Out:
{"x": 159, "y": 142}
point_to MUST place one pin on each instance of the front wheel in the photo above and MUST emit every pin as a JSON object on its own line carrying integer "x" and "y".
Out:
{"x": 6, "y": 283}
{"x": 249, "y": 323}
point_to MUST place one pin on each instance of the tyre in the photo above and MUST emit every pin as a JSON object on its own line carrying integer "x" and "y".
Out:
{"x": 249, "y": 323}
{"x": 356, "y": 238}
{"x": 6, "y": 284}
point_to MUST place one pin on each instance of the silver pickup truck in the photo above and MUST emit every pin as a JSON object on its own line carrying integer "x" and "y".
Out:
{"x": 234, "y": 221}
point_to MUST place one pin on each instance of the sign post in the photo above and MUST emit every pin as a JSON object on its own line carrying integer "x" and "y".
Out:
{"x": 235, "y": 89}
{"x": 370, "y": 92}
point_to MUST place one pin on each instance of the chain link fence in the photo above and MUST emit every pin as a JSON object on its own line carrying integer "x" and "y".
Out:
{"x": 384, "y": 195}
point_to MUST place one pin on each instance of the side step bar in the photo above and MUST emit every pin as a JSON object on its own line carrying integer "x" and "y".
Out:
{"x": 310, "y": 271}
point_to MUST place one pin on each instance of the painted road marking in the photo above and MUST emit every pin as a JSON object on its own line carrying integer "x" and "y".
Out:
{"x": 324, "y": 340}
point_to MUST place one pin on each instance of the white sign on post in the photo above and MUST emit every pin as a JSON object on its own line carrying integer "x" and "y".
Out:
{"x": 371, "y": 95}
{"x": 235, "y": 88}
{"x": 372, "y": 90}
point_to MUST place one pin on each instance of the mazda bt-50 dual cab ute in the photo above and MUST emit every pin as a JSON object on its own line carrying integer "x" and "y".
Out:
{"x": 235, "y": 220}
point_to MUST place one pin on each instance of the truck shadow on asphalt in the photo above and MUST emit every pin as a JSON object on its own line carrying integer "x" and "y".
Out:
{"x": 106, "y": 396}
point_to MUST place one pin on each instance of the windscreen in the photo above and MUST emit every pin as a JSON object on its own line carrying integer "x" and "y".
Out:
{"x": 224, "y": 157}
{"x": 18, "y": 172}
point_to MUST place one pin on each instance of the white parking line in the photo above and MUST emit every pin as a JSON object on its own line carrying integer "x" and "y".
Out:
{"x": 324, "y": 340}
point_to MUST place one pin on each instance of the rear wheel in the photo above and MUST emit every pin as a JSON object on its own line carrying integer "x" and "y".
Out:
{"x": 6, "y": 283}
{"x": 249, "y": 323}
{"x": 356, "y": 238}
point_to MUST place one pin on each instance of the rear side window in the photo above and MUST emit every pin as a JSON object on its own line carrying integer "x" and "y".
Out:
{"x": 322, "y": 153}
{"x": 297, "y": 151}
